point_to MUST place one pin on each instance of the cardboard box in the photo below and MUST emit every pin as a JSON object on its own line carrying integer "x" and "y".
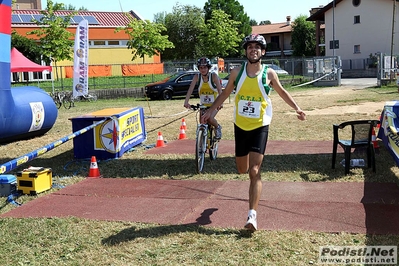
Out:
{"x": 8, "y": 185}
{"x": 34, "y": 180}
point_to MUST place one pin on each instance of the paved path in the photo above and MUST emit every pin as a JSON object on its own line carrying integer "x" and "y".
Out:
{"x": 187, "y": 146}
{"x": 323, "y": 207}
{"x": 319, "y": 206}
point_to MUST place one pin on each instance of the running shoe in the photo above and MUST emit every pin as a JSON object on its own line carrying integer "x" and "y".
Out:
{"x": 218, "y": 132}
{"x": 251, "y": 224}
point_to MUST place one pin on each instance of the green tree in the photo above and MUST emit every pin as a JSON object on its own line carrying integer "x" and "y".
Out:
{"x": 160, "y": 17}
{"x": 71, "y": 7}
{"x": 184, "y": 26}
{"x": 28, "y": 47}
{"x": 145, "y": 38}
{"x": 253, "y": 22}
{"x": 236, "y": 12}
{"x": 265, "y": 22}
{"x": 219, "y": 36}
{"x": 56, "y": 41}
{"x": 303, "y": 37}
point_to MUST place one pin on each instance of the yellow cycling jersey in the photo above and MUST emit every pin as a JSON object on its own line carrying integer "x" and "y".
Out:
{"x": 253, "y": 107}
{"x": 207, "y": 91}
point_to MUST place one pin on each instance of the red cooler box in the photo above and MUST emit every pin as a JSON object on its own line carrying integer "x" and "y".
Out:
{"x": 112, "y": 138}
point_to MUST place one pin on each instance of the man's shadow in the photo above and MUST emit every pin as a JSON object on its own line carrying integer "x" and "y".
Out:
{"x": 133, "y": 232}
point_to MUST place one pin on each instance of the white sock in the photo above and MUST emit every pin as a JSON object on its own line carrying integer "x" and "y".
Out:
{"x": 252, "y": 212}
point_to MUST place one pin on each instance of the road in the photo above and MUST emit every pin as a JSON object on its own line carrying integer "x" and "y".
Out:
{"x": 359, "y": 82}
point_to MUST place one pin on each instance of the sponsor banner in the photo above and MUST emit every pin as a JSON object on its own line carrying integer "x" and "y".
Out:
{"x": 37, "y": 109}
{"x": 80, "y": 62}
{"x": 119, "y": 133}
{"x": 389, "y": 128}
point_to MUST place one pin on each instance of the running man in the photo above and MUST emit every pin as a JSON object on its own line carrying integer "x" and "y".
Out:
{"x": 252, "y": 115}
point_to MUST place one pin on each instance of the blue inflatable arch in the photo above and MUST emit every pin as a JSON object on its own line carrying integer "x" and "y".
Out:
{"x": 25, "y": 112}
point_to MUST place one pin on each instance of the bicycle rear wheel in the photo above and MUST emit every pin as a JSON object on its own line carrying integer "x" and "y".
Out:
{"x": 92, "y": 97}
{"x": 200, "y": 148}
{"x": 214, "y": 145}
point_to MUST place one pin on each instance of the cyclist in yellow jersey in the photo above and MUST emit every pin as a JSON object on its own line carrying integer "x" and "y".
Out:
{"x": 208, "y": 90}
{"x": 252, "y": 115}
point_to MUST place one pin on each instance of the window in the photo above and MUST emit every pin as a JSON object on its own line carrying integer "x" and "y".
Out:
{"x": 356, "y": 49}
{"x": 356, "y": 20}
{"x": 113, "y": 42}
{"x": 108, "y": 43}
{"x": 355, "y": 3}
{"x": 187, "y": 78}
{"x": 98, "y": 42}
{"x": 274, "y": 43}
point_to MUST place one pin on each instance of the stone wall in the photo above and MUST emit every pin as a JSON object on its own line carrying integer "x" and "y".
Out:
{"x": 119, "y": 93}
{"x": 359, "y": 73}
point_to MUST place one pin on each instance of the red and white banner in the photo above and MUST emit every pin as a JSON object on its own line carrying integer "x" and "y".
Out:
{"x": 80, "y": 62}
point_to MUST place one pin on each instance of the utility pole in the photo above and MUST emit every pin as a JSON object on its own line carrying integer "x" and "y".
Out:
{"x": 393, "y": 67}
{"x": 333, "y": 27}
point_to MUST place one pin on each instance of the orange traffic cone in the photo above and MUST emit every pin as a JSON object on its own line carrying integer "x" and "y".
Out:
{"x": 94, "y": 172}
{"x": 182, "y": 134}
{"x": 183, "y": 124}
{"x": 160, "y": 142}
{"x": 374, "y": 139}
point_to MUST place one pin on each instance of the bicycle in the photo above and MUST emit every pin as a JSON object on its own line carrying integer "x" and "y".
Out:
{"x": 68, "y": 100}
{"x": 62, "y": 98}
{"x": 88, "y": 97}
{"x": 57, "y": 98}
{"x": 205, "y": 140}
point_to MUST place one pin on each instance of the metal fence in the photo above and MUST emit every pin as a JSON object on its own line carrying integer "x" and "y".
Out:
{"x": 315, "y": 68}
{"x": 387, "y": 68}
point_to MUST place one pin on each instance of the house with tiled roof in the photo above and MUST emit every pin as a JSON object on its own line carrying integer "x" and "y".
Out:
{"x": 277, "y": 36}
{"x": 108, "y": 53}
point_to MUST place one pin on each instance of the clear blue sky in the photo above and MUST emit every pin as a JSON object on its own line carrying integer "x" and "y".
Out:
{"x": 275, "y": 11}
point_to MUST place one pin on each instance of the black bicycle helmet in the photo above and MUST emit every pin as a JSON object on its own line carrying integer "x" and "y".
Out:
{"x": 203, "y": 61}
{"x": 254, "y": 38}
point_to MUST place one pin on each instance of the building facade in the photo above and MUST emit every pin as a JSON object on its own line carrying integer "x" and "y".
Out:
{"x": 358, "y": 29}
{"x": 27, "y": 4}
{"x": 108, "y": 53}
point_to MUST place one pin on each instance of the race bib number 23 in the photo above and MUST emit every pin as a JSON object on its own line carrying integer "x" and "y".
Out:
{"x": 249, "y": 109}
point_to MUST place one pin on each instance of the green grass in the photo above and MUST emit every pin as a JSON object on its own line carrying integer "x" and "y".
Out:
{"x": 73, "y": 241}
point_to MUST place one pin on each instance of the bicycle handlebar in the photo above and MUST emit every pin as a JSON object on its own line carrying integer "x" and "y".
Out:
{"x": 198, "y": 106}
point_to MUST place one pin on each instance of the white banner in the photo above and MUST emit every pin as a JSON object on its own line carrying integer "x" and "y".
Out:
{"x": 80, "y": 62}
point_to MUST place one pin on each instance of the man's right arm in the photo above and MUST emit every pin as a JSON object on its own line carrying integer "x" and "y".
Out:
{"x": 227, "y": 91}
{"x": 190, "y": 91}
{"x": 223, "y": 96}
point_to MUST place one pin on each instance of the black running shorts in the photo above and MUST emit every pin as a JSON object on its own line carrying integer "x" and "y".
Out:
{"x": 253, "y": 140}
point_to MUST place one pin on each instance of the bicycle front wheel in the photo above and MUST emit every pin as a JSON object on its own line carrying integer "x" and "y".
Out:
{"x": 214, "y": 144}
{"x": 66, "y": 103}
{"x": 58, "y": 102}
{"x": 200, "y": 149}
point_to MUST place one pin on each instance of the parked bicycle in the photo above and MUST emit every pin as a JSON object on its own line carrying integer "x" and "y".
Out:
{"x": 68, "y": 100}
{"x": 62, "y": 98}
{"x": 90, "y": 97}
{"x": 205, "y": 139}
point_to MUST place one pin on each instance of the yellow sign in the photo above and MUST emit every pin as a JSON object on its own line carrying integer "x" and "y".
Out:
{"x": 113, "y": 134}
